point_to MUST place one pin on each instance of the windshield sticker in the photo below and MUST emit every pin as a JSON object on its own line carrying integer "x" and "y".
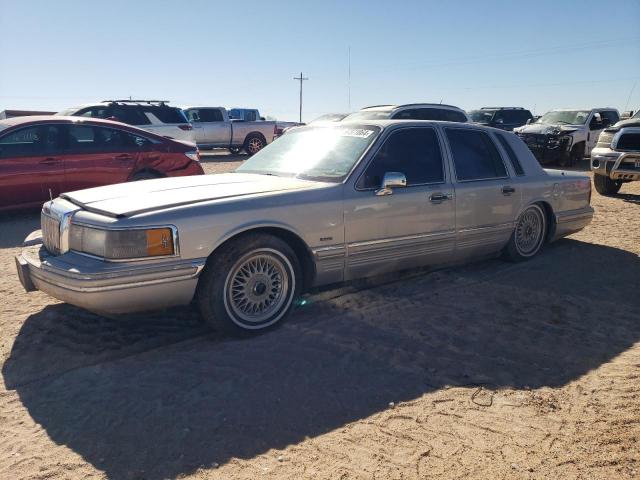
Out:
{"x": 355, "y": 132}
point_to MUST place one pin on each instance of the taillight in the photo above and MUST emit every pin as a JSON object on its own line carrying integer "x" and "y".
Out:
{"x": 193, "y": 155}
{"x": 185, "y": 127}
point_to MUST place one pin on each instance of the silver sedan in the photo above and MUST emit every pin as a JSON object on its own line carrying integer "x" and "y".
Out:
{"x": 320, "y": 205}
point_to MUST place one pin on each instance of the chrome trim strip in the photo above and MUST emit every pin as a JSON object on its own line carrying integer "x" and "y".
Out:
{"x": 496, "y": 227}
{"x": 571, "y": 216}
{"x": 445, "y": 234}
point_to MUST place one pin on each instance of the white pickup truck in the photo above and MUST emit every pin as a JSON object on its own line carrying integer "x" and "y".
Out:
{"x": 213, "y": 128}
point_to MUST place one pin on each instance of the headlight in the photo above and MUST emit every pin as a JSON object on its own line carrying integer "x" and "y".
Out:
{"x": 122, "y": 244}
{"x": 605, "y": 138}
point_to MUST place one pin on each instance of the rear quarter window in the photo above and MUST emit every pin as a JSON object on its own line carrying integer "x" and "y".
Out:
{"x": 168, "y": 114}
{"x": 513, "y": 158}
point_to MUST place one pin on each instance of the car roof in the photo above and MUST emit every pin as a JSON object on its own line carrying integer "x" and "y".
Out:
{"x": 36, "y": 119}
{"x": 387, "y": 123}
{"x": 388, "y": 108}
{"x": 588, "y": 109}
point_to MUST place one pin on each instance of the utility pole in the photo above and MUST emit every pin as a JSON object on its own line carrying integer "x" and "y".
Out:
{"x": 349, "y": 83}
{"x": 301, "y": 79}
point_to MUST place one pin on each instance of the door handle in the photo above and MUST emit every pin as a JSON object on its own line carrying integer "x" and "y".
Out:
{"x": 507, "y": 190}
{"x": 439, "y": 197}
{"x": 124, "y": 156}
{"x": 49, "y": 161}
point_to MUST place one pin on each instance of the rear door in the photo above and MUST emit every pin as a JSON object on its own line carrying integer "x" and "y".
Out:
{"x": 96, "y": 155}
{"x": 487, "y": 200}
{"x": 31, "y": 165}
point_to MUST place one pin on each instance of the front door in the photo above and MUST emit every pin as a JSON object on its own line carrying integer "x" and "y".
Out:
{"x": 31, "y": 166}
{"x": 412, "y": 226}
{"x": 487, "y": 199}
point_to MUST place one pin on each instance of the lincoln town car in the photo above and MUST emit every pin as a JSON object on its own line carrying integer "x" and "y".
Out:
{"x": 322, "y": 204}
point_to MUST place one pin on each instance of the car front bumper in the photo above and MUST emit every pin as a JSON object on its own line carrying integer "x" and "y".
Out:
{"x": 107, "y": 287}
{"x": 617, "y": 165}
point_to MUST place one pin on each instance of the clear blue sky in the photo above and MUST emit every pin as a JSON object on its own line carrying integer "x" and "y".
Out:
{"x": 537, "y": 54}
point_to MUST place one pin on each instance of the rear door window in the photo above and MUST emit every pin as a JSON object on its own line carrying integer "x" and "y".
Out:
{"x": 475, "y": 156}
{"x": 132, "y": 115}
{"x": 210, "y": 115}
{"x": 415, "y": 152}
{"x": 92, "y": 139}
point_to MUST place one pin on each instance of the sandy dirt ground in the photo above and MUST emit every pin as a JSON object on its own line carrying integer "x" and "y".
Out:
{"x": 490, "y": 370}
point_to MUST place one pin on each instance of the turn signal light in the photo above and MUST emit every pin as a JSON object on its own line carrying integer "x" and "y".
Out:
{"x": 159, "y": 242}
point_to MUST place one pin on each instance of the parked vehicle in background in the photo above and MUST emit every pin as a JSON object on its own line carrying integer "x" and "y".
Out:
{"x": 616, "y": 158}
{"x": 566, "y": 136}
{"x": 504, "y": 118}
{"x": 152, "y": 115}
{"x": 43, "y": 156}
{"x": 412, "y": 111}
{"x": 626, "y": 114}
{"x": 321, "y": 205}
{"x": 214, "y": 129}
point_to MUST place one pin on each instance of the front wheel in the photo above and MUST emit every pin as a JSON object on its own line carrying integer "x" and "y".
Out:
{"x": 249, "y": 285}
{"x": 605, "y": 186}
{"x": 528, "y": 235}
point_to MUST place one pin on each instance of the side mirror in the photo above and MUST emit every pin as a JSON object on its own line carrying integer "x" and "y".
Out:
{"x": 262, "y": 119}
{"x": 390, "y": 181}
{"x": 499, "y": 121}
{"x": 529, "y": 120}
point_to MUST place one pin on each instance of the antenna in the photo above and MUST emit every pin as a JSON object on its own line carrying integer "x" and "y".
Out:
{"x": 629, "y": 97}
{"x": 301, "y": 79}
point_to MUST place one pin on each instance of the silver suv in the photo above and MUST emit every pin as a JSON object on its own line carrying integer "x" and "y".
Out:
{"x": 615, "y": 160}
{"x": 411, "y": 111}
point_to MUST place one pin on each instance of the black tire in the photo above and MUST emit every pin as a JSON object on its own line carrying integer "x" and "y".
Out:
{"x": 574, "y": 157}
{"x": 605, "y": 186}
{"x": 144, "y": 175}
{"x": 231, "y": 287}
{"x": 254, "y": 143}
{"x": 528, "y": 236}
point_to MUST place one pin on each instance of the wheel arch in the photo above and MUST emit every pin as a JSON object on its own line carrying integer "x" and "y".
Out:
{"x": 291, "y": 238}
{"x": 255, "y": 133}
{"x": 149, "y": 170}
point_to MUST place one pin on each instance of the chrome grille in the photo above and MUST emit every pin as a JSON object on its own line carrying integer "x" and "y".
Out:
{"x": 50, "y": 233}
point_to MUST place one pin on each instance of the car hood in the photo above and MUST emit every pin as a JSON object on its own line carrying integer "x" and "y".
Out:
{"x": 127, "y": 199}
{"x": 629, "y": 122}
{"x": 547, "y": 129}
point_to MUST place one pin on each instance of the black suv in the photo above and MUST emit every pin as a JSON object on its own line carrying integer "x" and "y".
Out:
{"x": 505, "y": 118}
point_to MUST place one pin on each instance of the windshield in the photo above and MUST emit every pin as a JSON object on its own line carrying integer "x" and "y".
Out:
{"x": 314, "y": 153}
{"x": 567, "y": 117}
{"x": 481, "y": 116}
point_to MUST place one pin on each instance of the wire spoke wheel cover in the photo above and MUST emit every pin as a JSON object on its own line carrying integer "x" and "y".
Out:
{"x": 529, "y": 232}
{"x": 259, "y": 289}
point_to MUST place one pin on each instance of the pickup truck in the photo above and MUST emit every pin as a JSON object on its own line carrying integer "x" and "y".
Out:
{"x": 213, "y": 128}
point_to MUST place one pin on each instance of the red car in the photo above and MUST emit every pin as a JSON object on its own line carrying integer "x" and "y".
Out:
{"x": 41, "y": 157}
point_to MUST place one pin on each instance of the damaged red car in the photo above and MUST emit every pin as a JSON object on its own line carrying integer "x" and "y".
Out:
{"x": 43, "y": 156}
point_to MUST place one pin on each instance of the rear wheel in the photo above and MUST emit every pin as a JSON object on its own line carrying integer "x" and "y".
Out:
{"x": 528, "y": 236}
{"x": 249, "y": 285}
{"x": 253, "y": 144}
{"x": 605, "y": 186}
{"x": 145, "y": 175}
